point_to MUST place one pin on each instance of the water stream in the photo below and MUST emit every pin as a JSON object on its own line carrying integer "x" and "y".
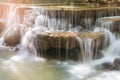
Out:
{"x": 23, "y": 64}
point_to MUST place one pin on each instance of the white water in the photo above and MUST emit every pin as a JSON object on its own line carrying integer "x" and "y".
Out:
{"x": 86, "y": 49}
{"x": 109, "y": 37}
{"x": 21, "y": 65}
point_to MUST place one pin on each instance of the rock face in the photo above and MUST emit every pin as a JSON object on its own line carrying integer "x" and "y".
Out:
{"x": 67, "y": 44}
{"x": 64, "y": 39}
{"x": 56, "y": 40}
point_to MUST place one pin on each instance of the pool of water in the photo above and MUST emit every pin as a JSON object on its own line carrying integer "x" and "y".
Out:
{"x": 16, "y": 66}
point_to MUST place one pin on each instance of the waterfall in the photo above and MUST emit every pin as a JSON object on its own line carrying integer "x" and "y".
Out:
{"x": 42, "y": 42}
{"x": 37, "y": 20}
{"x": 114, "y": 49}
{"x": 86, "y": 48}
{"x": 30, "y": 23}
{"x": 109, "y": 37}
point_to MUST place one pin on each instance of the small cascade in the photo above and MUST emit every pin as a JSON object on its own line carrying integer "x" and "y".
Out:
{"x": 110, "y": 23}
{"x": 86, "y": 48}
{"x": 109, "y": 37}
{"x": 114, "y": 49}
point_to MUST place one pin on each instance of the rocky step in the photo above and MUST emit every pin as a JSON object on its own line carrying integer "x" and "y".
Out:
{"x": 45, "y": 40}
{"x": 111, "y": 23}
{"x": 63, "y": 45}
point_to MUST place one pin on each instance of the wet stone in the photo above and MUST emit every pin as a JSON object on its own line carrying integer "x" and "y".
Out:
{"x": 107, "y": 66}
{"x": 66, "y": 40}
{"x": 117, "y": 63}
{"x": 63, "y": 45}
{"x": 12, "y": 38}
{"x": 112, "y": 66}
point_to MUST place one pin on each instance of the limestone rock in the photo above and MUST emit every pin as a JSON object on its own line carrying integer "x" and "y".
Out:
{"x": 41, "y": 41}
{"x": 92, "y": 35}
{"x": 64, "y": 40}
{"x": 56, "y": 44}
{"x": 13, "y": 36}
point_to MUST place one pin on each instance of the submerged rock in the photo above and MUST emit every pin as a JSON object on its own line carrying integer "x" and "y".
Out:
{"x": 112, "y": 66}
{"x": 117, "y": 61}
{"x": 116, "y": 64}
{"x": 64, "y": 40}
{"x": 107, "y": 66}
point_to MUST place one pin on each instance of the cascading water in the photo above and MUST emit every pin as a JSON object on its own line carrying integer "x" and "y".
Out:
{"x": 86, "y": 49}
{"x": 25, "y": 65}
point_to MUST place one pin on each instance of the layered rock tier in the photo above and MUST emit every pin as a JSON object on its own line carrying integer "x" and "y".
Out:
{"x": 63, "y": 39}
{"x": 110, "y": 23}
{"x": 73, "y": 45}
